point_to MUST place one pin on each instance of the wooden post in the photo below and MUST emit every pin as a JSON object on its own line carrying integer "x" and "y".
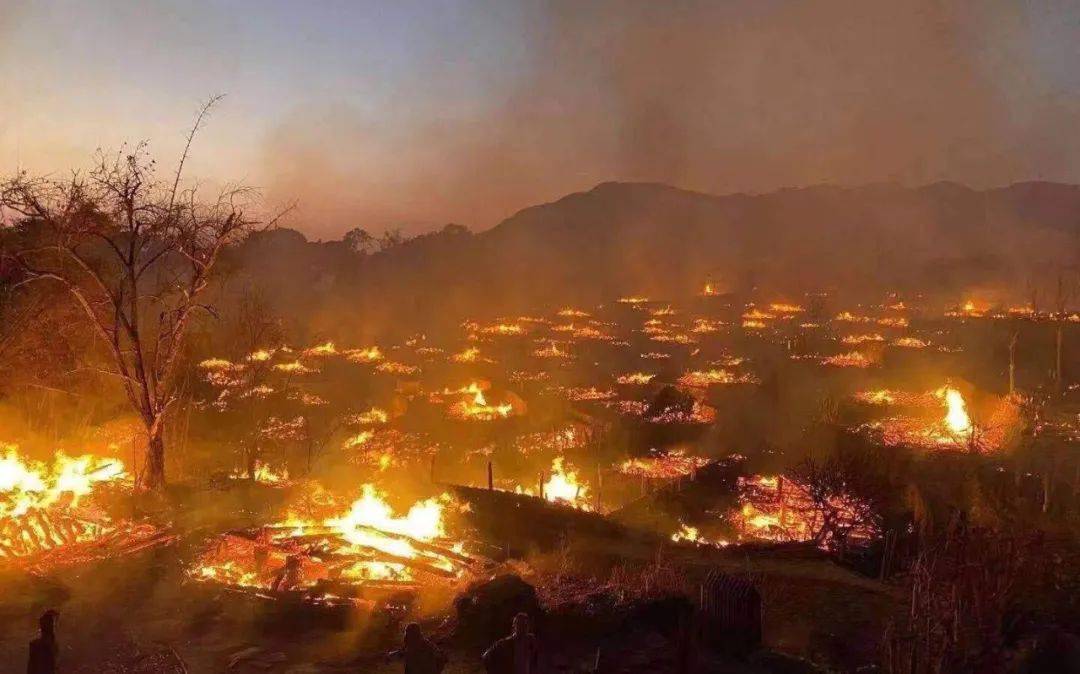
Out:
{"x": 541, "y": 485}
{"x": 1057, "y": 365}
{"x": 1012, "y": 361}
{"x": 491, "y": 478}
{"x": 1048, "y": 486}
{"x": 780, "y": 497}
{"x": 599, "y": 485}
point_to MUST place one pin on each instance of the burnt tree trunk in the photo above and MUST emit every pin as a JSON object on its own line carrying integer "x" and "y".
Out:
{"x": 1048, "y": 488}
{"x": 1012, "y": 362}
{"x": 1057, "y": 360}
{"x": 155, "y": 459}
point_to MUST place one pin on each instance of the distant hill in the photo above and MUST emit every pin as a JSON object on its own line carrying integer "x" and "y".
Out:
{"x": 619, "y": 238}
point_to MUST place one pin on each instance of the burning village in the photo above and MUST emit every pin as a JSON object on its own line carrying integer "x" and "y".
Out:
{"x": 792, "y": 416}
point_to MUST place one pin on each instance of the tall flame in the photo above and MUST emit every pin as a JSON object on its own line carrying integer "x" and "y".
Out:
{"x": 564, "y": 486}
{"x": 956, "y": 416}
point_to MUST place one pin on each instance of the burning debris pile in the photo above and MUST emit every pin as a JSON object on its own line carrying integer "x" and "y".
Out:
{"x": 263, "y": 473}
{"x": 785, "y": 509}
{"x": 663, "y": 465}
{"x": 850, "y": 359}
{"x": 363, "y": 555}
{"x": 939, "y": 419}
{"x": 671, "y": 405}
{"x": 54, "y": 514}
{"x": 474, "y": 406}
{"x": 562, "y": 485}
{"x": 706, "y": 378}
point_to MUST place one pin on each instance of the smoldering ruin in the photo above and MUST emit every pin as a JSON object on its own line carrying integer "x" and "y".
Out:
{"x": 809, "y": 406}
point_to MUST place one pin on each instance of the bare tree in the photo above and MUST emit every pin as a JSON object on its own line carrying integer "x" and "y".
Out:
{"x": 843, "y": 493}
{"x": 359, "y": 240}
{"x": 962, "y": 588}
{"x": 1065, "y": 290}
{"x": 255, "y": 326}
{"x": 391, "y": 238}
{"x": 1013, "y": 341}
{"x": 1032, "y": 288}
{"x": 135, "y": 254}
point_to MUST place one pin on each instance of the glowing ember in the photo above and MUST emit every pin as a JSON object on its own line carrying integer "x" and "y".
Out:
{"x": 470, "y": 355}
{"x": 295, "y": 367}
{"x": 504, "y": 329}
{"x": 663, "y": 466}
{"x": 893, "y": 322}
{"x": 394, "y": 367}
{"x": 584, "y": 394}
{"x": 704, "y": 326}
{"x": 785, "y": 308}
{"x": 848, "y": 317}
{"x": 389, "y": 448}
{"x": 697, "y": 413}
{"x": 475, "y": 406}
{"x": 373, "y": 417}
{"x": 327, "y": 349}
{"x": 781, "y": 509}
{"x": 359, "y": 440}
{"x": 216, "y": 364}
{"x": 949, "y": 424}
{"x": 882, "y": 397}
{"x": 705, "y": 378}
{"x": 910, "y": 343}
{"x": 851, "y": 359}
{"x": 689, "y": 534}
{"x": 859, "y": 339}
{"x": 264, "y": 474}
{"x": 635, "y": 378}
{"x": 970, "y": 309}
{"x": 368, "y": 355}
{"x": 756, "y": 314}
{"x": 551, "y": 350}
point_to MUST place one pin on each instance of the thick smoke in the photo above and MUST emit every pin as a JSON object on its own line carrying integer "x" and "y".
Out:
{"x": 420, "y": 113}
{"x": 721, "y": 97}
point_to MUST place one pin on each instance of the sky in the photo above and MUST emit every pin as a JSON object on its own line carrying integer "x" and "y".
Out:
{"x": 410, "y": 114}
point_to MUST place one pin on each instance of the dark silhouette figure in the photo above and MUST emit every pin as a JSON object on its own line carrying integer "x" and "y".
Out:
{"x": 43, "y": 650}
{"x": 420, "y": 655}
{"x": 518, "y": 653}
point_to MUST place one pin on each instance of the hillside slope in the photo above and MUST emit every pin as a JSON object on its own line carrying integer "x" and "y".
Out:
{"x": 941, "y": 240}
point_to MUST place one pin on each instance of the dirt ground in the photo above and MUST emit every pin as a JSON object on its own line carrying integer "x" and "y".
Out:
{"x": 140, "y": 614}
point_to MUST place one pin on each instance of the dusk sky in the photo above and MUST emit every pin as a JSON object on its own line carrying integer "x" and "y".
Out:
{"x": 415, "y": 114}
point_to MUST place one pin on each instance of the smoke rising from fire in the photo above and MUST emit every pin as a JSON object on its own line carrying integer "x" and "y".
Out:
{"x": 424, "y": 113}
{"x": 718, "y": 97}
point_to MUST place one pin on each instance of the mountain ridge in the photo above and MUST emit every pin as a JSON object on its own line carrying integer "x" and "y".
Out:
{"x": 941, "y": 240}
